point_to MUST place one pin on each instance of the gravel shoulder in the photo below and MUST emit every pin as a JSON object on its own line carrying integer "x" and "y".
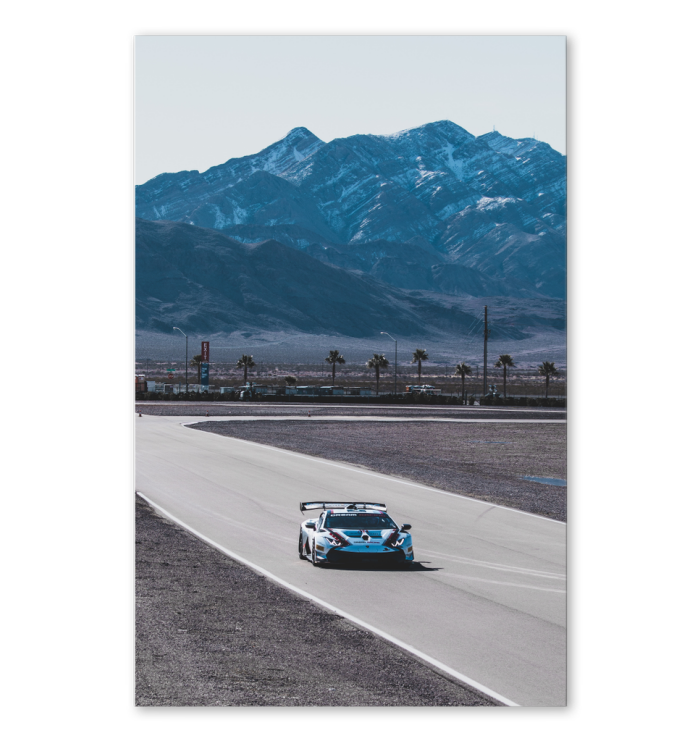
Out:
{"x": 484, "y": 461}
{"x": 211, "y": 632}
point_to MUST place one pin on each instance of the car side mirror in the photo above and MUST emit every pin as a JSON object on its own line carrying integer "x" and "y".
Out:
{"x": 313, "y": 525}
{"x": 405, "y": 528}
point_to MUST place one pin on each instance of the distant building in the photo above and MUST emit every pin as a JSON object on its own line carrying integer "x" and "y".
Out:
{"x": 308, "y": 391}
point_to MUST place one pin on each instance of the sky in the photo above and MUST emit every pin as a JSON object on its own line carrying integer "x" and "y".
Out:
{"x": 201, "y": 100}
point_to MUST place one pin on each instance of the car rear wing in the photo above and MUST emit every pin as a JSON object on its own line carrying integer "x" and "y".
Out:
{"x": 303, "y": 506}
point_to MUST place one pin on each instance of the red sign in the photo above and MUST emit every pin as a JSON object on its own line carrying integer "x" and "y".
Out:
{"x": 205, "y": 352}
{"x": 171, "y": 375}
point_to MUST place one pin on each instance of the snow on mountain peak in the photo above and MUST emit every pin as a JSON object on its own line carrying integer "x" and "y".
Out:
{"x": 488, "y": 204}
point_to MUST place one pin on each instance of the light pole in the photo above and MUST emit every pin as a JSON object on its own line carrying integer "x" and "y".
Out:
{"x": 187, "y": 385}
{"x": 396, "y": 352}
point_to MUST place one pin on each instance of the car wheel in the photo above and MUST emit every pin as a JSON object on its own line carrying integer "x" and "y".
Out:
{"x": 301, "y": 547}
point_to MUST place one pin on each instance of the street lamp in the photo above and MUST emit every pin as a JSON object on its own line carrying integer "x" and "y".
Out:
{"x": 187, "y": 385}
{"x": 396, "y": 352}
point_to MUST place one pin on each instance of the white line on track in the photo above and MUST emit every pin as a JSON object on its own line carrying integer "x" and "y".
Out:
{"x": 384, "y": 476}
{"x": 497, "y": 566}
{"x": 504, "y": 583}
{"x": 405, "y": 646}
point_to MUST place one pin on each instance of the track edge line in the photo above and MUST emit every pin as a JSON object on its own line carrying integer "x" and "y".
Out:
{"x": 357, "y": 621}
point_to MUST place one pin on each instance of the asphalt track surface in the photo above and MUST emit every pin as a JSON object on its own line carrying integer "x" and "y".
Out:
{"x": 486, "y": 599}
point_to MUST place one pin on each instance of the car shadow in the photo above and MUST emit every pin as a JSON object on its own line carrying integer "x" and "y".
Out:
{"x": 411, "y": 568}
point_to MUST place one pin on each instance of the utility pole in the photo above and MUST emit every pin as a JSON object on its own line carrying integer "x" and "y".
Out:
{"x": 486, "y": 339}
{"x": 187, "y": 383}
{"x": 396, "y": 355}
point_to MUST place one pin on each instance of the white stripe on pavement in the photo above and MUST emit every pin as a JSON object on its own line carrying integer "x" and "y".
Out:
{"x": 405, "y": 646}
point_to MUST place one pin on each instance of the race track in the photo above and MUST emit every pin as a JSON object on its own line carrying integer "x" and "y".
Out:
{"x": 486, "y": 598}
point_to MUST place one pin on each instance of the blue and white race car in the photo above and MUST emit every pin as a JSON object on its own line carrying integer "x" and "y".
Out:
{"x": 353, "y": 532}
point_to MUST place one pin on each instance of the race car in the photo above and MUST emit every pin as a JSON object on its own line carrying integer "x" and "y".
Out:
{"x": 353, "y": 532}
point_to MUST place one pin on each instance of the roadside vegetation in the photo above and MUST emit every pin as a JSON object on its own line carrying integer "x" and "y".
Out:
{"x": 548, "y": 370}
{"x": 196, "y": 362}
{"x": 418, "y": 357}
{"x": 505, "y": 362}
{"x": 463, "y": 370}
{"x": 245, "y": 362}
{"x": 377, "y": 362}
{"x": 334, "y": 357}
{"x": 463, "y": 380}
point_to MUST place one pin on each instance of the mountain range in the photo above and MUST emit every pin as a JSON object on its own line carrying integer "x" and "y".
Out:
{"x": 205, "y": 280}
{"x": 393, "y": 226}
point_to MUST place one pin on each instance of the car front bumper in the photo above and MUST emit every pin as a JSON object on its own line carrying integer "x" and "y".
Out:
{"x": 359, "y": 554}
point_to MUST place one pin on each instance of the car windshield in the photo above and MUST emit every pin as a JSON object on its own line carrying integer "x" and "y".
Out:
{"x": 360, "y": 521}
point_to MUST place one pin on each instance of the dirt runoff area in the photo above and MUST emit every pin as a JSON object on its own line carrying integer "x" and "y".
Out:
{"x": 211, "y": 632}
{"x": 487, "y": 461}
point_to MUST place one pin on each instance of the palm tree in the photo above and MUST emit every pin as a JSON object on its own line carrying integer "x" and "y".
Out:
{"x": 505, "y": 362}
{"x": 245, "y": 362}
{"x": 196, "y": 362}
{"x": 418, "y": 357}
{"x": 462, "y": 369}
{"x": 377, "y": 362}
{"x": 335, "y": 357}
{"x": 547, "y": 369}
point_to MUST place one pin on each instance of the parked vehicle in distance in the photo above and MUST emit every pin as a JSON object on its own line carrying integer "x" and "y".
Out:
{"x": 353, "y": 532}
{"x": 423, "y": 389}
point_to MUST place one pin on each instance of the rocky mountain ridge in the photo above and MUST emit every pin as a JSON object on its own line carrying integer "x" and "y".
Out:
{"x": 432, "y": 208}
